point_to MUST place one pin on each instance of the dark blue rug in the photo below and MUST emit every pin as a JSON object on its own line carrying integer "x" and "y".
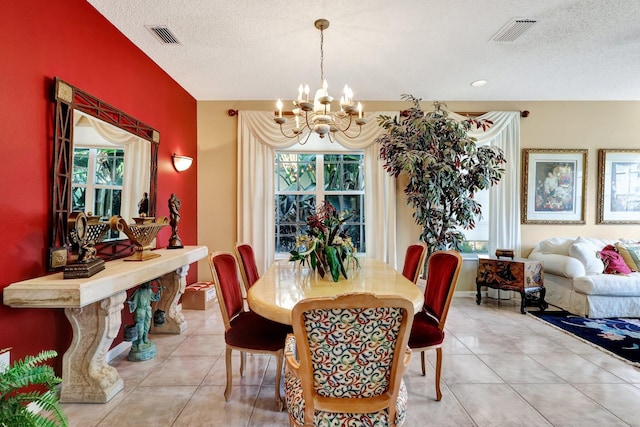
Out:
{"x": 615, "y": 335}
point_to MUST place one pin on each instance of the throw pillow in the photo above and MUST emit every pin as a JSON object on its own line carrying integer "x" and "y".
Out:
{"x": 630, "y": 254}
{"x": 556, "y": 245}
{"x": 587, "y": 254}
{"x": 613, "y": 262}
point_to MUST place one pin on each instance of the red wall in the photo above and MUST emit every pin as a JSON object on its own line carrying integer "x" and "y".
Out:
{"x": 40, "y": 40}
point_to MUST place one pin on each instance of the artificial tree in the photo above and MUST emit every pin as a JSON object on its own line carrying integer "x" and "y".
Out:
{"x": 445, "y": 168}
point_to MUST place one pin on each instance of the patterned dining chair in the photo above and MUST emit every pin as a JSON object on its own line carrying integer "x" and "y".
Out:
{"x": 248, "y": 266}
{"x": 345, "y": 361}
{"x": 413, "y": 260}
{"x": 427, "y": 331}
{"x": 245, "y": 330}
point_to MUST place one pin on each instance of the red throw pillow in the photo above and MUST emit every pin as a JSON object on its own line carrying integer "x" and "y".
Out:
{"x": 613, "y": 262}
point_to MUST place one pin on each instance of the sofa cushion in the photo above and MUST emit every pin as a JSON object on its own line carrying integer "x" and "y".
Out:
{"x": 630, "y": 254}
{"x": 619, "y": 285}
{"x": 587, "y": 254}
{"x": 556, "y": 245}
{"x": 560, "y": 265}
{"x": 613, "y": 262}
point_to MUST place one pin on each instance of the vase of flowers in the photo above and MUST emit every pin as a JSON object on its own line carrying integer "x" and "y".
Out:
{"x": 325, "y": 246}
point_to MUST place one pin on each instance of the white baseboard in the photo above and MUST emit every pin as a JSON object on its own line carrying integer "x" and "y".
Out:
{"x": 116, "y": 351}
{"x": 468, "y": 294}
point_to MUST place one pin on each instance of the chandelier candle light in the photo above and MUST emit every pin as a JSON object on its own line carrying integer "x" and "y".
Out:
{"x": 316, "y": 116}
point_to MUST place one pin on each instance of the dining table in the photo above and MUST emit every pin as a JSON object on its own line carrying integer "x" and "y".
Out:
{"x": 285, "y": 283}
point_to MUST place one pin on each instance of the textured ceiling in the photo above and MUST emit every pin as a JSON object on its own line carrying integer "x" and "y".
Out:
{"x": 263, "y": 49}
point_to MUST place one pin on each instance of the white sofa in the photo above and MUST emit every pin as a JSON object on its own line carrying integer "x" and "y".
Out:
{"x": 574, "y": 279}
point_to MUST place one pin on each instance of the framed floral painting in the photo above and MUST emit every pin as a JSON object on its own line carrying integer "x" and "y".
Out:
{"x": 618, "y": 187}
{"x": 554, "y": 183}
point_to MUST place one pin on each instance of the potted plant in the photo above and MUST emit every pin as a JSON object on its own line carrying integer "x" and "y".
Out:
{"x": 17, "y": 393}
{"x": 445, "y": 169}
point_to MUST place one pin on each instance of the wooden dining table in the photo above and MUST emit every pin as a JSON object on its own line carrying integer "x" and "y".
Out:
{"x": 286, "y": 283}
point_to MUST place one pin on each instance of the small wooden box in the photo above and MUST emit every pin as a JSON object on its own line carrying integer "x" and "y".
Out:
{"x": 520, "y": 275}
{"x": 199, "y": 296}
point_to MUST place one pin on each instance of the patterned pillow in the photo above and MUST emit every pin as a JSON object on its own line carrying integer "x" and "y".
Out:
{"x": 630, "y": 254}
{"x": 613, "y": 262}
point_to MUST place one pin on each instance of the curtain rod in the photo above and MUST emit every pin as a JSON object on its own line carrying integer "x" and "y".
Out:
{"x": 404, "y": 113}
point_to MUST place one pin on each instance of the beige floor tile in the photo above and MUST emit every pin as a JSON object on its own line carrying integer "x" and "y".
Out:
{"x": 180, "y": 370}
{"x": 207, "y": 408}
{"x": 496, "y": 405}
{"x": 564, "y": 405}
{"x": 201, "y": 345}
{"x": 575, "y": 369}
{"x": 149, "y": 406}
{"x": 623, "y": 400}
{"x": 519, "y": 368}
{"x": 467, "y": 369}
{"x": 487, "y": 344}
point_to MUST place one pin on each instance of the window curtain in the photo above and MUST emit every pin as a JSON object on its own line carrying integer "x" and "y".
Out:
{"x": 137, "y": 154}
{"x": 504, "y": 198}
{"x": 258, "y": 140}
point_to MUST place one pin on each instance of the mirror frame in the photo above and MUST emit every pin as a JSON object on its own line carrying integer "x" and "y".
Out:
{"x": 68, "y": 98}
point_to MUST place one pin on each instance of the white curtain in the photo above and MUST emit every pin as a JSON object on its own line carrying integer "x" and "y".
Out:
{"x": 259, "y": 138}
{"x": 504, "y": 198}
{"x": 137, "y": 157}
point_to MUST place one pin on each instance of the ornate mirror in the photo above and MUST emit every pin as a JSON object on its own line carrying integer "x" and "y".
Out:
{"x": 80, "y": 114}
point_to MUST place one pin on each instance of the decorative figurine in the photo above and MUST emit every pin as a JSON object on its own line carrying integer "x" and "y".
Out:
{"x": 87, "y": 264}
{"x": 143, "y": 205}
{"x": 140, "y": 306}
{"x": 174, "y": 219}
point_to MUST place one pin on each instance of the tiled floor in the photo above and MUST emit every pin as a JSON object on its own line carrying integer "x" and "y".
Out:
{"x": 501, "y": 368}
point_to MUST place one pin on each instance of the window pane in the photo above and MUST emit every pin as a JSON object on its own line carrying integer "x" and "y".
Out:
{"x": 109, "y": 166}
{"x": 295, "y": 172}
{"x": 291, "y": 216}
{"x": 343, "y": 172}
{"x": 78, "y": 199}
{"x": 354, "y": 226}
{"x": 107, "y": 203}
{"x": 80, "y": 165}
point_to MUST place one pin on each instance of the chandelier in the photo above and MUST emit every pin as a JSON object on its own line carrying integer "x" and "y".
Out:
{"x": 317, "y": 116}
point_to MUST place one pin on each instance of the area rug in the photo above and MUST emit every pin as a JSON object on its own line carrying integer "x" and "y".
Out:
{"x": 618, "y": 336}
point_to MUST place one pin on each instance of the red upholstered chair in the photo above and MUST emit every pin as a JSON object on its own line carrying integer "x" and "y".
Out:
{"x": 346, "y": 359}
{"x": 413, "y": 260}
{"x": 247, "y": 262}
{"x": 427, "y": 331}
{"x": 244, "y": 330}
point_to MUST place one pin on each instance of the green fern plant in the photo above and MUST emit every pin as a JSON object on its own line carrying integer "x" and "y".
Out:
{"x": 14, "y": 399}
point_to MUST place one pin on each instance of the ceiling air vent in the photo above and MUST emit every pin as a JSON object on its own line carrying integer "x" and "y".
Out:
{"x": 513, "y": 30}
{"x": 163, "y": 34}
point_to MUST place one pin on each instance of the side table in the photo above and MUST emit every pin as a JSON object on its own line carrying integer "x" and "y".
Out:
{"x": 524, "y": 276}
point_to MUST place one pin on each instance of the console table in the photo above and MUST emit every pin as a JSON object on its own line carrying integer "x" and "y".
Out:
{"x": 524, "y": 276}
{"x": 93, "y": 307}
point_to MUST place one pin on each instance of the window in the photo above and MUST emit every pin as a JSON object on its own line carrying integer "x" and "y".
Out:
{"x": 299, "y": 187}
{"x": 477, "y": 240}
{"x": 97, "y": 181}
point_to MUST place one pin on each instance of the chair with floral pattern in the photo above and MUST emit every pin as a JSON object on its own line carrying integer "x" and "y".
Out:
{"x": 244, "y": 330}
{"x": 413, "y": 260}
{"x": 345, "y": 361}
{"x": 427, "y": 331}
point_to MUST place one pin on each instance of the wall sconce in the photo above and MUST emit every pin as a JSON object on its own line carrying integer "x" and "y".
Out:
{"x": 181, "y": 163}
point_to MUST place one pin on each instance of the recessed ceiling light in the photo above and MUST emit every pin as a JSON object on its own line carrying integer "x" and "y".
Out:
{"x": 479, "y": 83}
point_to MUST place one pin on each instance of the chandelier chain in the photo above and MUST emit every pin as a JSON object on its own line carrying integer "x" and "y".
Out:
{"x": 321, "y": 56}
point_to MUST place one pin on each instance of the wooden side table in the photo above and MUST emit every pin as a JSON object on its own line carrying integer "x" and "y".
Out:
{"x": 524, "y": 276}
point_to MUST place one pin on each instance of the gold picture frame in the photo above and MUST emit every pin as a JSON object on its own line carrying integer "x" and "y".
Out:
{"x": 554, "y": 185}
{"x": 618, "y": 186}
